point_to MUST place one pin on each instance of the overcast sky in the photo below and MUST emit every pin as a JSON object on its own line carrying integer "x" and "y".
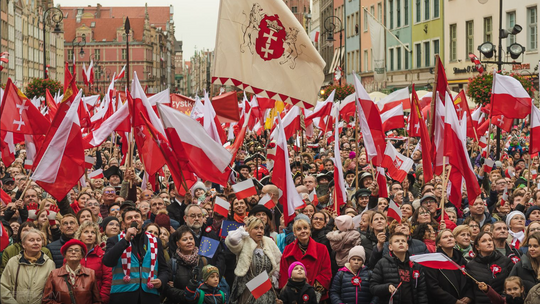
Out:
{"x": 195, "y": 20}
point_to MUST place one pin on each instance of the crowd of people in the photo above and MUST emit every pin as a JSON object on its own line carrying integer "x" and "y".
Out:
{"x": 118, "y": 240}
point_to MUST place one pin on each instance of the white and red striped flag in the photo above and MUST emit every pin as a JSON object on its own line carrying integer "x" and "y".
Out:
{"x": 504, "y": 197}
{"x": 398, "y": 165}
{"x": 340, "y": 194}
{"x": 97, "y": 174}
{"x": 488, "y": 165}
{"x": 221, "y": 206}
{"x": 399, "y": 97}
{"x": 259, "y": 285}
{"x": 435, "y": 260}
{"x": 267, "y": 201}
{"x": 509, "y": 98}
{"x": 4, "y": 238}
{"x": 394, "y": 211}
{"x": 535, "y": 131}
{"x": 393, "y": 118}
{"x": 244, "y": 189}
{"x": 121, "y": 74}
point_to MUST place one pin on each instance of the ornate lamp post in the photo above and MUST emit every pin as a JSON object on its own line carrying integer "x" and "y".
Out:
{"x": 51, "y": 17}
{"x": 330, "y": 25}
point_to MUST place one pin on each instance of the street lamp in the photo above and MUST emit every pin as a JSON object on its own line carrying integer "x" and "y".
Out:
{"x": 330, "y": 26}
{"x": 515, "y": 50}
{"x": 81, "y": 44}
{"x": 51, "y": 17}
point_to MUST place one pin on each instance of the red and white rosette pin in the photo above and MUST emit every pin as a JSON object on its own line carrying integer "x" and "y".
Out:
{"x": 416, "y": 275}
{"x": 305, "y": 298}
{"x": 356, "y": 281}
{"x": 495, "y": 269}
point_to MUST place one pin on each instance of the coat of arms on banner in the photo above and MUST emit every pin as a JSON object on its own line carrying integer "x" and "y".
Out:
{"x": 266, "y": 36}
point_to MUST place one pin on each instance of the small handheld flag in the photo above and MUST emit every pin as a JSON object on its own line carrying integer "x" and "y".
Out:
{"x": 221, "y": 206}
{"x": 244, "y": 189}
{"x": 267, "y": 201}
{"x": 259, "y": 285}
{"x": 208, "y": 247}
{"x": 227, "y": 226}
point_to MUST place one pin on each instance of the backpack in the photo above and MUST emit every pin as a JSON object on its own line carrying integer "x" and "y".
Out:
{"x": 174, "y": 266}
{"x": 201, "y": 296}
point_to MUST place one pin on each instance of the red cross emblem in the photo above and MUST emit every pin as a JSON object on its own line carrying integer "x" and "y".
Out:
{"x": 269, "y": 43}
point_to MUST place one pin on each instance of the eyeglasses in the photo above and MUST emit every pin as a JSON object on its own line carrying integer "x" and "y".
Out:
{"x": 115, "y": 209}
{"x": 74, "y": 250}
{"x": 109, "y": 192}
{"x": 196, "y": 216}
{"x": 93, "y": 204}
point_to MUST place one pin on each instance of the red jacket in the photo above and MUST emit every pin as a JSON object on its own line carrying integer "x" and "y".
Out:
{"x": 93, "y": 260}
{"x": 316, "y": 260}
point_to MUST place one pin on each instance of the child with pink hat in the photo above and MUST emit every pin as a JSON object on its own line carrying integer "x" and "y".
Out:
{"x": 297, "y": 289}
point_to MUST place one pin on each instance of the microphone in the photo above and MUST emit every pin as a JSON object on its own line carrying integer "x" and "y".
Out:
{"x": 134, "y": 224}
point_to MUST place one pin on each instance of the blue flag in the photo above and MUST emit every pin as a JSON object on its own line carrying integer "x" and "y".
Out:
{"x": 227, "y": 226}
{"x": 208, "y": 247}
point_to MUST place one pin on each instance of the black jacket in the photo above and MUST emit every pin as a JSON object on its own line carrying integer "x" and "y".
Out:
{"x": 342, "y": 289}
{"x": 448, "y": 286}
{"x": 176, "y": 211}
{"x": 298, "y": 292}
{"x": 113, "y": 253}
{"x": 415, "y": 247}
{"x": 184, "y": 273}
{"x": 386, "y": 272}
{"x": 54, "y": 248}
{"x": 480, "y": 269}
{"x": 524, "y": 270}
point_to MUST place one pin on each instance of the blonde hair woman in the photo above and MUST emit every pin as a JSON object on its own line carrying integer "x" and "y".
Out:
{"x": 255, "y": 253}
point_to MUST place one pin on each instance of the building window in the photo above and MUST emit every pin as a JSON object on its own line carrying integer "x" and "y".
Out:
{"x": 488, "y": 29}
{"x": 406, "y": 12}
{"x": 453, "y": 42}
{"x": 418, "y": 11}
{"x": 398, "y": 13}
{"x": 427, "y": 54}
{"x": 366, "y": 62}
{"x": 391, "y": 10}
{"x": 294, "y": 9}
{"x": 372, "y": 10}
{"x": 379, "y": 12}
{"x": 511, "y": 21}
{"x": 398, "y": 56}
{"x": 406, "y": 55}
{"x": 436, "y": 47}
{"x": 418, "y": 50}
{"x": 124, "y": 54}
{"x": 532, "y": 24}
{"x": 97, "y": 54}
{"x": 426, "y": 9}
{"x": 365, "y": 21}
{"x": 69, "y": 54}
{"x": 469, "y": 31}
{"x": 436, "y": 5}
{"x": 391, "y": 59}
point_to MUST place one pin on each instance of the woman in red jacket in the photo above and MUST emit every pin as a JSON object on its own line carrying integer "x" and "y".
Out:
{"x": 88, "y": 233}
{"x": 313, "y": 255}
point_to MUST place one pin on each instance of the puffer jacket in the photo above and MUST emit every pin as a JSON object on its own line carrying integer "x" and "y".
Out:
{"x": 85, "y": 290}
{"x": 342, "y": 242}
{"x": 54, "y": 247}
{"x": 447, "y": 286}
{"x": 480, "y": 269}
{"x": 298, "y": 292}
{"x": 415, "y": 247}
{"x": 177, "y": 293}
{"x": 343, "y": 290}
{"x": 13, "y": 250}
{"x": 386, "y": 272}
{"x": 103, "y": 274}
{"x": 30, "y": 282}
{"x": 524, "y": 270}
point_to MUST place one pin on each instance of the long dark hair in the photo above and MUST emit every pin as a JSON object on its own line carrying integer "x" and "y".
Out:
{"x": 477, "y": 240}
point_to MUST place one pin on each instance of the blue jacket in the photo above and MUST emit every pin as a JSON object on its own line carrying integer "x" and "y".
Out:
{"x": 343, "y": 290}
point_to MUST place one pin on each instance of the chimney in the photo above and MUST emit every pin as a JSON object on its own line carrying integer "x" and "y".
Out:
{"x": 98, "y": 11}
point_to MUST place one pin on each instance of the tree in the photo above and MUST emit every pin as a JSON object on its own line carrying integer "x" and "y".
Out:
{"x": 38, "y": 86}
{"x": 480, "y": 86}
{"x": 341, "y": 91}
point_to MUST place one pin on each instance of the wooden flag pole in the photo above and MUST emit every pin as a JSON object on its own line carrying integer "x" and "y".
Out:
{"x": 357, "y": 150}
{"x": 488, "y": 139}
{"x": 445, "y": 185}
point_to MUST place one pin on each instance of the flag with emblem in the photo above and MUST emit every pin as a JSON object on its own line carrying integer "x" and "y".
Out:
{"x": 266, "y": 42}
{"x": 208, "y": 247}
{"x": 398, "y": 165}
{"x": 259, "y": 285}
{"x": 228, "y": 226}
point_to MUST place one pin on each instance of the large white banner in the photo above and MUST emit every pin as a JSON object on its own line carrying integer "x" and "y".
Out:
{"x": 263, "y": 49}
{"x": 378, "y": 51}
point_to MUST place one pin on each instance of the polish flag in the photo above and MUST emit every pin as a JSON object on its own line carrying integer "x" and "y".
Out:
{"x": 488, "y": 165}
{"x": 89, "y": 161}
{"x": 96, "y": 174}
{"x": 454, "y": 188}
{"x": 291, "y": 123}
{"x": 535, "y": 131}
{"x": 347, "y": 107}
{"x": 322, "y": 109}
{"x": 259, "y": 285}
{"x": 482, "y": 142}
{"x": 462, "y": 108}
{"x": 211, "y": 123}
{"x": 438, "y": 139}
{"x": 340, "y": 194}
{"x": 267, "y": 201}
{"x": 435, "y": 260}
{"x": 370, "y": 124}
{"x": 60, "y": 162}
{"x": 418, "y": 128}
{"x": 381, "y": 182}
{"x": 282, "y": 176}
{"x": 394, "y": 211}
{"x": 4, "y": 238}
{"x": 121, "y": 74}
{"x": 504, "y": 197}
{"x": 221, "y": 206}
{"x": 393, "y": 118}
{"x": 398, "y": 165}
{"x": 7, "y": 147}
{"x": 399, "y": 97}
{"x": 456, "y": 150}
{"x": 4, "y": 197}
{"x": 509, "y": 98}
{"x": 244, "y": 189}
{"x": 204, "y": 156}
{"x": 119, "y": 122}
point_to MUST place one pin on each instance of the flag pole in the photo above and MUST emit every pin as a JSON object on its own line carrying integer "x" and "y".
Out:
{"x": 433, "y": 101}
{"x": 357, "y": 150}
{"x": 488, "y": 139}
{"x": 529, "y": 162}
{"x": 445, "y": 185}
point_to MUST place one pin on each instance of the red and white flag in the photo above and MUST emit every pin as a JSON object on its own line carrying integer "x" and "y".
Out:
{"x": 119, "y": 122}
{"x": 370, "y": 123}
{"x": 399, "y": 97}
{"x": 244, "y": 189}
{"x": 60, "y": 163}
{"x": 211, "y": 123}
{"x": 121, "y": 74}
{"x": 291, "y": 123}
{"x": 267, "y": 201}
{"x": 263, "y": 49}
{"x": 509, "y": 98}
{"x": 313, "y": 197}
{"x": 4, "y": 197}
{"x": 398, "y": 165}
{"x": 394, "y": 211}
{"x": 282, "y": 176}
{"x": 259, "y": 285}
{"x": 535, "y": 131}
{"x": 488, "y": 165}
{"x": 381, "y": 182}
{"x": 393, "y": 118}
{"x": 418, "y": 128}
{"x": 221, "y": 206}
{"x": 504, "y": 197}
{"x": 88, "y": 74}
{"x": 347, "y": 107}
{"x": 97, "y": 174}
{"x": 456, "y": 150}
{"x": 435, "y": 260}
{"x": 321, "y": 111}
{"x": 4, "y": 238}
{"x": 340, "y": 193}
{"x": 205, "y": 157}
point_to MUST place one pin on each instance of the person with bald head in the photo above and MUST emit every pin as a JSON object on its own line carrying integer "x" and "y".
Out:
{"x": 309, "y": 182}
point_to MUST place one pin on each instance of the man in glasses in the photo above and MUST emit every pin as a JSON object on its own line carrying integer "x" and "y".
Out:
{"x": 68, "y": 226}
{"x": 108, "y": 198}
{"x": 157, "y": 204}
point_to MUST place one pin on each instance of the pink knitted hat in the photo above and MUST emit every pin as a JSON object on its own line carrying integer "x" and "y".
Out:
{"x": 294, "y": 264}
